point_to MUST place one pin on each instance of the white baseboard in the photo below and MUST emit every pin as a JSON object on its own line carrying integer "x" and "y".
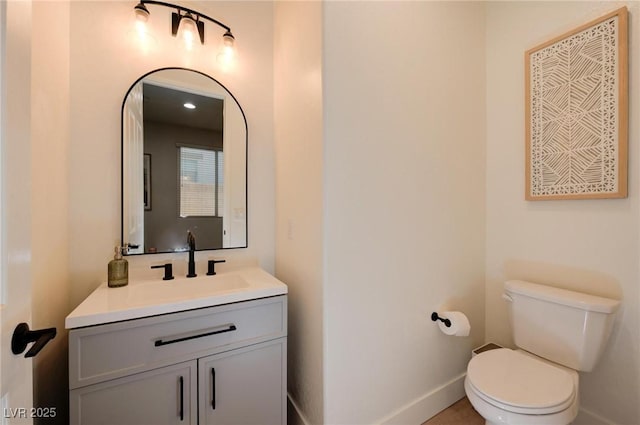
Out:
{"x": 428, "y": 405}
{"x": 586, "y": 417}
{"x": 294, "y": 414}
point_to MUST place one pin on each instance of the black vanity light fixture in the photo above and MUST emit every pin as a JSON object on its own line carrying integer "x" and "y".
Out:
{"x": 188, "y": 24}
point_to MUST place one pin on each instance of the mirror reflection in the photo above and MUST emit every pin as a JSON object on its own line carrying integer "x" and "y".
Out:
{"x": 184, "y": 151}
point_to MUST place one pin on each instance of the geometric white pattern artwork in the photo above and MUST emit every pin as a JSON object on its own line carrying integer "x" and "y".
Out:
{"x": 577, "y": 112}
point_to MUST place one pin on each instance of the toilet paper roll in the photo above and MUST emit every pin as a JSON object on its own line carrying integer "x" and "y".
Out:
{"x": 459, "y": 323}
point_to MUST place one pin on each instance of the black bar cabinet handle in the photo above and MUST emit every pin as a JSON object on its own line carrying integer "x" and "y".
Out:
{"x": 213, "y": 388}
{"x": 181, "y": 398}
{"x": 160, "y": 342}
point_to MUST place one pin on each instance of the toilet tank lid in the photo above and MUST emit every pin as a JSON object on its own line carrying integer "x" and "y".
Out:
{"x": 562, "y": 296}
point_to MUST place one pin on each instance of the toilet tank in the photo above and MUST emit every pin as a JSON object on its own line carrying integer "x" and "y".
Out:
{"x": 566, "y": 327}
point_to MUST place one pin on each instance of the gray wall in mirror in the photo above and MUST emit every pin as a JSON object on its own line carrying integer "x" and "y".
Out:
{"x": 155, "y": 126}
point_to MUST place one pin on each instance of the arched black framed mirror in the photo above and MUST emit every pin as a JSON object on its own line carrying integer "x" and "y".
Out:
{"x": 184, "y": 164}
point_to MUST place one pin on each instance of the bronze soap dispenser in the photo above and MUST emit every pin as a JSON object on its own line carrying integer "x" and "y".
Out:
{"x": 118, "y": 270}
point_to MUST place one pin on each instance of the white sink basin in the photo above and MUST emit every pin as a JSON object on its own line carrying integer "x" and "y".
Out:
{"x": 181, "y": 288}
{"x": 150, "y": 298}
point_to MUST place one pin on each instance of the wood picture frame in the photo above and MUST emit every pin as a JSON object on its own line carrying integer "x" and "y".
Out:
{"x": 576, "y": 112}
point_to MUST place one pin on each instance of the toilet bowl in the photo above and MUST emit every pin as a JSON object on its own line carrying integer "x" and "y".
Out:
{"x": 512, "y": 387}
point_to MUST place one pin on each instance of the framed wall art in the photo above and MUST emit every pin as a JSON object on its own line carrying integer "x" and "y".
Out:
{"x": 576, "y": 102}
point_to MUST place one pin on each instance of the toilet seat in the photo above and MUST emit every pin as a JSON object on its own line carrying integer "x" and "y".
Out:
{"x": 516, "y": 382}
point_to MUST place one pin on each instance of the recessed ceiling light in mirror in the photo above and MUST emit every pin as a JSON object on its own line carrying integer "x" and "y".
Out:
{"x": 189, "y": 105}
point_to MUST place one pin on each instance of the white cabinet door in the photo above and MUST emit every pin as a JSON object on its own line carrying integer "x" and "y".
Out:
{"x": 246, "y": 386}
{"x": 158, "y": 397}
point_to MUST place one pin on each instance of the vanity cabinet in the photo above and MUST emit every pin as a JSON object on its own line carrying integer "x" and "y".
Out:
{"x": 217, "y": 365}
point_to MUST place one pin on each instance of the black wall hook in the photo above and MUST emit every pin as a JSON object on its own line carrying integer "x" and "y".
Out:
{"x": 434, "y": 317}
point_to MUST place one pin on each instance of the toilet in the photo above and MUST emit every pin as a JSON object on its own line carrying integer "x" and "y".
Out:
{"x": 558, "y": 333}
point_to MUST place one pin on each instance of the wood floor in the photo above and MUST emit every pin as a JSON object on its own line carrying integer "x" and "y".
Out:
{"x": 460, "y": 413}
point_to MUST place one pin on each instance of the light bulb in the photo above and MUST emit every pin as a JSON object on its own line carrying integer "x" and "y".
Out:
{"x": 142, "y": 17}
{"x": 140, "y": 27}
{"x": 227, "y": 51}
{"x": 188, "y": 30}
{"x": 141, "y": 12}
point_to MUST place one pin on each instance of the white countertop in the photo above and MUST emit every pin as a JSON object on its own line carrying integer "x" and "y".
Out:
{"x": 152, "y": 297}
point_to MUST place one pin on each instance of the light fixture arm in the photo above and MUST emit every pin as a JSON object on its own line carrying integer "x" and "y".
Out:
{"x": 175, "y": 19}
{"x": 186, "y": 9}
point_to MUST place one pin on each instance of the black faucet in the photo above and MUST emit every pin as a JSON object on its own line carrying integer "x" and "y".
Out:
{"x": 211, "y": 266}
{"x": 168, "y": 270}
{"x": 191, "y": 241}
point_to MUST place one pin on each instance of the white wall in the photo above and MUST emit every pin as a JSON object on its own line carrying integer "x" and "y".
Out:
{"x": 299, "y": 204}
{"x": 49, "y": 198}
{"x": 105, "y": 59}
{"x": 404, "y": 147}
{"x": 587, "y": 245}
